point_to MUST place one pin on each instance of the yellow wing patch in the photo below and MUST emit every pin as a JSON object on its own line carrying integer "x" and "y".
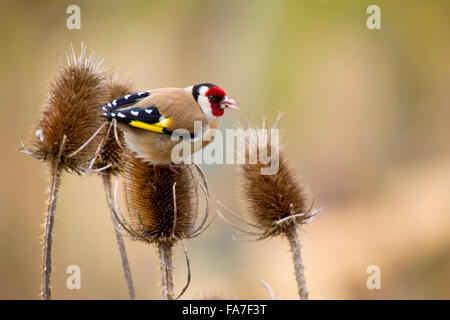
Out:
{"x": 155, "y": 127}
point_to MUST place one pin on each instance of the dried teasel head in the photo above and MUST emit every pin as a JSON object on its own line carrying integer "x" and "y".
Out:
{"x": 71, "y": 115}
{"x": 109, "y": 156}
{"x": 67, "y": 133}
{"x": 272, "y": 200}
{"x": 162, "y": 202}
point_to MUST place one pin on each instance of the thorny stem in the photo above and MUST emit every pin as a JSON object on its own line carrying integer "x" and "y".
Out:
{"x": 291, "y": 234}
{"x": 119, "y": 238}
{"x": 55, "y": 171}
{"x": 188, "y": 264}
{"x": 165, "y": 256}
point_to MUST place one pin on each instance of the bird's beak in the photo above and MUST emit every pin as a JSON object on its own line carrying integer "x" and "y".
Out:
{"x": 229, "y": 103}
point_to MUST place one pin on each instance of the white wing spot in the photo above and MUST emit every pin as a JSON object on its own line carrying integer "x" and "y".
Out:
{"x": 40, "y": 135}
{"x": 113, "y": 114}
{"x": 121, "y": 115}
{"x": 109, "y": 104}
{"x": 142, "y": 93}
{"x": 149, "y": 111}
{"x": 135, "y": 113}
{"x": 114, "y": 102}
{"x": 127, "y": 96}
{"x": 104, "y": 109}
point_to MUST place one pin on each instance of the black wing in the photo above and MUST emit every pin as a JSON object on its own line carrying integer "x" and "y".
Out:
{"x": 124, "y": 101}
{"x": 144, "y": 118}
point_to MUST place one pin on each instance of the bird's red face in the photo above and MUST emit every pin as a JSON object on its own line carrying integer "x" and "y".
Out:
{"x": 212, "y": 99}
{"x": 215, "y": 95}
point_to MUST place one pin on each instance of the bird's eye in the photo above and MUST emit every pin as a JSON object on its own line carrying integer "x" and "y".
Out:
{"x": 214, "y": 98}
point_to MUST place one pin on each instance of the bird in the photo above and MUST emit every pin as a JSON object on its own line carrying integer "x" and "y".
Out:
{"x": 149, "y": 118}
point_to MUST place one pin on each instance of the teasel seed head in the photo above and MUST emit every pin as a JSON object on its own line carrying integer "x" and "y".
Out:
{"x": 271, "y": 203}
{"x": 274, "y": 200}
{"x": 71, "y": 113}
{"x": 67, "y": 133}
{"x": 162, "y": 202}
{"x": 268, "y": 199}
{"x": 109, "y": 156}
{"x": 162, "y": 207}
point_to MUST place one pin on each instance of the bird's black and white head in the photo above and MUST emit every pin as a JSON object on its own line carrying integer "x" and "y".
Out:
{"x": 212, "y": 99}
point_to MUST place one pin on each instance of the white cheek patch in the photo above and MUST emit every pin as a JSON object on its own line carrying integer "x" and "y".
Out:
{"x": 204, "y": 103}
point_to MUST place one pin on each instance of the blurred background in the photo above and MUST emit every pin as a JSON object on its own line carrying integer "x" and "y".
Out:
{"x": 366, "y": 122}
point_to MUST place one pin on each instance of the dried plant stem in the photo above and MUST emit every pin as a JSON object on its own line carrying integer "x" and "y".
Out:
{"x": 188, "y": 264}
{"x": 55, "y": 171}
{"x": 269, "y": 289}
{"x": 165, "y": 256}
{"x": 119, "y": 238}
{"x": 291, "y": 234}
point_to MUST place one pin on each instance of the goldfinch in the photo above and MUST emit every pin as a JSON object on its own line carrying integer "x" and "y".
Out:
{"x": 149, "y": 118}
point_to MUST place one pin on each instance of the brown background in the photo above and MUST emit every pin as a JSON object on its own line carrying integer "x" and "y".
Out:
{"x": 366, "y": 123}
